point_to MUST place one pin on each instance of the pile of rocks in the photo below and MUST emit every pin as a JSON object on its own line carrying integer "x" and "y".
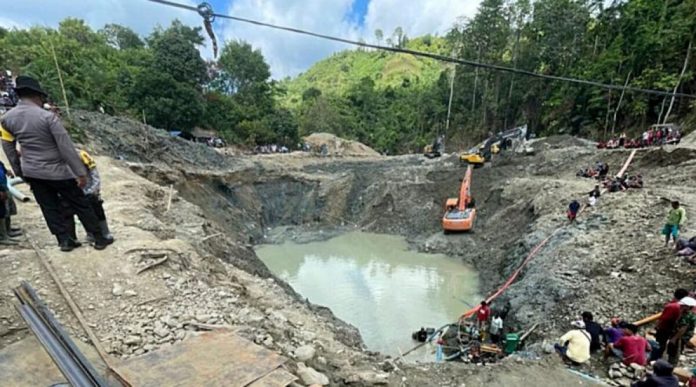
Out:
{"x": 623, "y": 375}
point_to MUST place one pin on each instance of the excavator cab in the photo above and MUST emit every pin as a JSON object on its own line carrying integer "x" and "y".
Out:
{"x": 475, "y": 156}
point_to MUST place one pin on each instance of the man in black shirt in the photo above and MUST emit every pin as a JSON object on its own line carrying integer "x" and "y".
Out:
{"x": 595, "y": 330}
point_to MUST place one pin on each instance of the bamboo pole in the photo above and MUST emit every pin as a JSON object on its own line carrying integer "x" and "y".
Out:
{"x": 60, "y": 78}
{"x": 76, "y": 311}
{"x": 618, "y": 106}
{"x": 681, "y": 75}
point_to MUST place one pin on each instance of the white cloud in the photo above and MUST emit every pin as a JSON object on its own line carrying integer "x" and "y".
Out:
{"x": 417, "y": 17}
{"x": 9, "y": 23}
{"x": 287, "y": 53}
{"x": 290, "y": 54}
{"x": 142, "y": 16}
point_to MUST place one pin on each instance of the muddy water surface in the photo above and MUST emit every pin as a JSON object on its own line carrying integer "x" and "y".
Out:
{"x": 375, "y": 283}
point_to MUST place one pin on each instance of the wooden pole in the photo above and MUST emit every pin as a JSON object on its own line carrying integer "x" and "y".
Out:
{"x": 616, "y": 112}
{"x": 171, "y": 193}
{"x": 76, "y": 311}
{"x": 60, "y": 78}
{"x": 449, "y": 104}
{"x": 681, "y": 75}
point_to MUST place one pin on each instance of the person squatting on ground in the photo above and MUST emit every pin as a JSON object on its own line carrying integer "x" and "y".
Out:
{"x": 613, "y": 333}
{"x": 92, "y": 191}
{"x": 676, "y": 217}
{"x": 49, "y": 162}
{"x": 631, "y": 347}
{"x": 595, "y": 330}
{"x": 7, "y": 207}
{"x": 662, "y": 376}
{"x": 574, "y": 346}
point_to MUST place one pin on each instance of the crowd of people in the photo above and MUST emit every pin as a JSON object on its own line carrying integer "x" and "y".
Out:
{"x": 8, "y": 97}
{"x": 656, "y": 135}
{"x": 599, "y": 171}
{"x": 64, "y": 181}
{"x": 271, "y": 148}
{"x": 625, "y": 341}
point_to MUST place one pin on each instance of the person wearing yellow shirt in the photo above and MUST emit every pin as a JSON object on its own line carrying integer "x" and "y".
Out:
{"x": 574, "y": 346}
{"x": 676, "y": 217}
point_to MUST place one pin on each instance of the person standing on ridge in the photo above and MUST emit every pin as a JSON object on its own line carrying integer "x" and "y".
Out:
{"x": 49, "y": 162}
{"x": 684, "y": 330}
{"x": 5, "y": 197}
{"x": 92, "y": 191}
{"x": 667, "y": 323}
{"x": 482, "y": 316}
{"x": 573, "y": 209}
{"x": 676, "y": 217}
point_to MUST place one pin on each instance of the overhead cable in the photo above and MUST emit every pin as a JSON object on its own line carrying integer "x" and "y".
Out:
{"x": 438, "y": 57}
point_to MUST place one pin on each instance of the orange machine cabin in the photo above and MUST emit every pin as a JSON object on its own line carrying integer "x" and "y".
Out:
{"x": 460, "y": 212}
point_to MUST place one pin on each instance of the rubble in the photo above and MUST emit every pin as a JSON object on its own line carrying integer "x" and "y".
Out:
{"x": 310, "y": 376}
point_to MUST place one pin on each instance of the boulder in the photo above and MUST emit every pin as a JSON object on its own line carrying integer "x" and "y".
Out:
{"x": 305, "y": 353}
{"x": 117, "y": 290}
{"x": 310, "y": 376}
{"x": 133, "y": 340}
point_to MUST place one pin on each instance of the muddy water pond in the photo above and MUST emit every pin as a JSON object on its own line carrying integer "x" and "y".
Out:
{"x": 377, "y": 284}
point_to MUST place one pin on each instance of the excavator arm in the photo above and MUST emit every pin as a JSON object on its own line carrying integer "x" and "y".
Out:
{"x": 465, "y": 190}
{"x": 460, "y": 212}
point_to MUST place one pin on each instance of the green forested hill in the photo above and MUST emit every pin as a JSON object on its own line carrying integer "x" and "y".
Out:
{"x": 336, "y": 74}
{"x": 394, "y": 103}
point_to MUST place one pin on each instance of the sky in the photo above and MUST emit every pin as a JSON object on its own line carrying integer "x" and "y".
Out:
{"x": 288, "y": 54}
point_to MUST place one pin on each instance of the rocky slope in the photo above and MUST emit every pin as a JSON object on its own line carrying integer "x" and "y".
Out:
{"x": 610, "y": 262}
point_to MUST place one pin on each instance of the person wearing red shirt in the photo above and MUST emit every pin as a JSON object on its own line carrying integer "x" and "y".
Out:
{"x": 668, "y": 322}
{"x": 631, "y": 347}
{"x": 483, "y": 314}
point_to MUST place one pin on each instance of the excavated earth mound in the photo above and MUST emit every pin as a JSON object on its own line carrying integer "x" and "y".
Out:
{"x": 337, "y": 146}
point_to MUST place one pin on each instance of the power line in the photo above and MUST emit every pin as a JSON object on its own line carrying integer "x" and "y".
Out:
{"x": 438, "y": 57}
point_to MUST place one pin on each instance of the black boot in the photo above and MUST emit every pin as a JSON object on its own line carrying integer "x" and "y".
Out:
{"x": 12, "y": 232}
{"x": 4, "y": 238}
{"x": 66, "y": 243}
{"x": 104, "y": 227}
{"x": 100, "y": 242}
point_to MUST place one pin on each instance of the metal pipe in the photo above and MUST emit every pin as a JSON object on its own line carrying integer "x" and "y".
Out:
{"x": 67, "y": 357}
{"x": 14, "y": 191}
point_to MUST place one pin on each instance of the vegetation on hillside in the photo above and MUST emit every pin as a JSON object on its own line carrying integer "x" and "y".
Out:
{"x": 336, "y": 74}
{"x": 645, "y": 44}
{"x": 393, "y": 102}
{"x": 161, "y": 79}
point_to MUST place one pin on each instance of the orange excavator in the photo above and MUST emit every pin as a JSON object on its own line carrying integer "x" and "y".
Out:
{"x": 460, "y": 213}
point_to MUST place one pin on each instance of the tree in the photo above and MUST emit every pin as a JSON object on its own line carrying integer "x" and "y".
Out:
{"x": 243, "y": 70}
{"x": 311, "y": 94}
{"x": 166, "y": 102}
{"x": 175, "y": 53}
{"x": 379, "y": 35}
{"x": 120, "y": 37}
